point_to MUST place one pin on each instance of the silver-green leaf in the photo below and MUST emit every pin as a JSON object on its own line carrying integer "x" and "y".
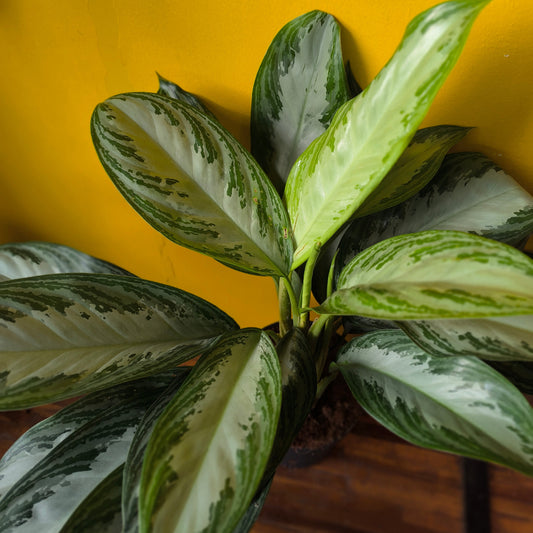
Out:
{"x": 299, "y": 86}
{"x": 173, "y": 90}
{"x": 338, "y": 171}
{"x": 469, "y": 193}
{"x": 192, "y": 181}
{"x": 134, "y": 461}
{"x": 454, "y": 404}
{"x": 27, "y": 259}
{"x": 69, "y": 334}
{"x": 52, "y": 491}
{"x": 40, "y": 440}
{"x": 434, "y": 274}
{"x": 415, "y": 167}
{"x": 208, "y": 449}
{"x": 508, "y": 338}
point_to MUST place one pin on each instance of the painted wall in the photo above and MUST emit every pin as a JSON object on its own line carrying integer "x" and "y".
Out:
{"x": 60, "y": 58}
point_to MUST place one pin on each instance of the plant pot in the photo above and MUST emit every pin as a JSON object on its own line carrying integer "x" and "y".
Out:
{"x": 332, "y": 418}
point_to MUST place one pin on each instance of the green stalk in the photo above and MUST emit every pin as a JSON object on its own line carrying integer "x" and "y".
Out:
{"x": 307, "y": 284}
{"x": 289, "y": 292}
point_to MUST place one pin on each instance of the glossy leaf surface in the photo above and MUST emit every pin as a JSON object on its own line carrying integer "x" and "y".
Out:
{"x": 454, "y": 404}
{"x": 27, "y": 259}
{"x": 50, "y": 493}
{"x": 191, "y": 180}
{"x": 434, "y": 274}
{"x": 415, "y": 167}
{"x": 499, "y": 339}
{"x": 69, "y": 334}
{"x": 100, "y": 511}
{"x": 40, "y": 440}
{"x": 209, "y": 448}
{"x": 338, "y": 171}
{"x": 469, "y": 193}
{"x": 134, "y": 461}
{"x": 299, "y": 86}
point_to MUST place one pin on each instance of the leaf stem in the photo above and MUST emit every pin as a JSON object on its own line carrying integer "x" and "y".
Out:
{"x": 289, "y": 291}
{"x": 307, "y": 283}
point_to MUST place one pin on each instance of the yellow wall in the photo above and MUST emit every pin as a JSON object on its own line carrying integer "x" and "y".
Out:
{"x": 61, "y": 57}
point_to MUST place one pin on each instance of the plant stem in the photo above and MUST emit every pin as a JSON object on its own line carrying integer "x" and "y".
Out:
{"x": 285, "y": 316}
{"x": 307, "y": 283}
{"x": 289, "y": 291}
{"x": 315, "y": 330}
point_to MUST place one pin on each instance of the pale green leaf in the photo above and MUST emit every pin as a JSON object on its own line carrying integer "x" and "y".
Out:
{"x": 299, "y": 86}
{"x": 210, "y": 446}
{"x": 434, "y": 274}
{"x": 338, "y": 171}
{"x": 454, "y": 404}
{"x": 469, "y": 193}
{"x": 507, "y": 338}
{"x": 27, "y": 259}
{"x": 134, "y": 461}
{"x": 69, "y": 334}
{"x": 191, "y": 180}
{"x": 415, "y": 167}
{"x": 254, "y": 509}
{"x": 51, "y": 492}
{"x": 41, "y": 439}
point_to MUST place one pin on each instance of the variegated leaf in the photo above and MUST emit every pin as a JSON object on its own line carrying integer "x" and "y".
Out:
{"x": 415, "y": 167}
{"x": 134, "y": 462}
{"x": 434, "y": 274}
{"x": 454, "y": 404}
{"x": 100, "y": 512}
{"x": 299, "y": 86}
{"x": 191, "y": 180}
{"x": 299, "y": 382}
{"x": 40, "y": 440}
{"x": 469, "y": 193}
{"x": 507, "y": 338}
{"x": 209, "y": 448}
{"x": 338, "y": 171}
{"x": 68, "y": 334}
{"x": 46, "y": 496}
{"x": 173, "y": 90}
{"x": 254, "y": 509}
{"x": 27, "y": 259}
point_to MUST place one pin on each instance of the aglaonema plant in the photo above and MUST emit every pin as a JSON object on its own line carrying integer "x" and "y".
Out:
{"x": 344, "y": 196}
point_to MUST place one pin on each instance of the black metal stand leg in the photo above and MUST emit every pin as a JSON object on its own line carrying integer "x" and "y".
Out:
{"x": 476, "y": 496}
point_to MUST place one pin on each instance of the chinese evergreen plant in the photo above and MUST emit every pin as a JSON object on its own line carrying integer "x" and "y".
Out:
{"x": 342, "y": 195}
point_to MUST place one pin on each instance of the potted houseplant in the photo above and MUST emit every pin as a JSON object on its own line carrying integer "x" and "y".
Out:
{"x": 356, "y": 207}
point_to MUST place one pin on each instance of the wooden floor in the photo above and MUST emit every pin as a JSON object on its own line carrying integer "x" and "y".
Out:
{"x": 372, "y": 482}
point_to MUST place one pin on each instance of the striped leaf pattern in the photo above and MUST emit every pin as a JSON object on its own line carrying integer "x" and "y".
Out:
{"x": 42, "y": 438}
{"x": 173, "y": 90}
{"x": 339, "y": 170}
{"x": 507, "y": 338}
{"x": 100, "y": 512}
{"x": 469, "y": 193}
{"x": 70, "y": 334}
{"x": 51, "y": 492}
{"x": 417, "y": 165}
{"x": 299, "y": 382}
{"x": 210, "y": 446}
{"x": 134, "y": 462}
{"x": 453, "y": 404}
{"x": 24, "y": 260}
{"x": 299, "y": 86}
{"x": 434, "y": 274}
{"x": 191, "y": 180}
